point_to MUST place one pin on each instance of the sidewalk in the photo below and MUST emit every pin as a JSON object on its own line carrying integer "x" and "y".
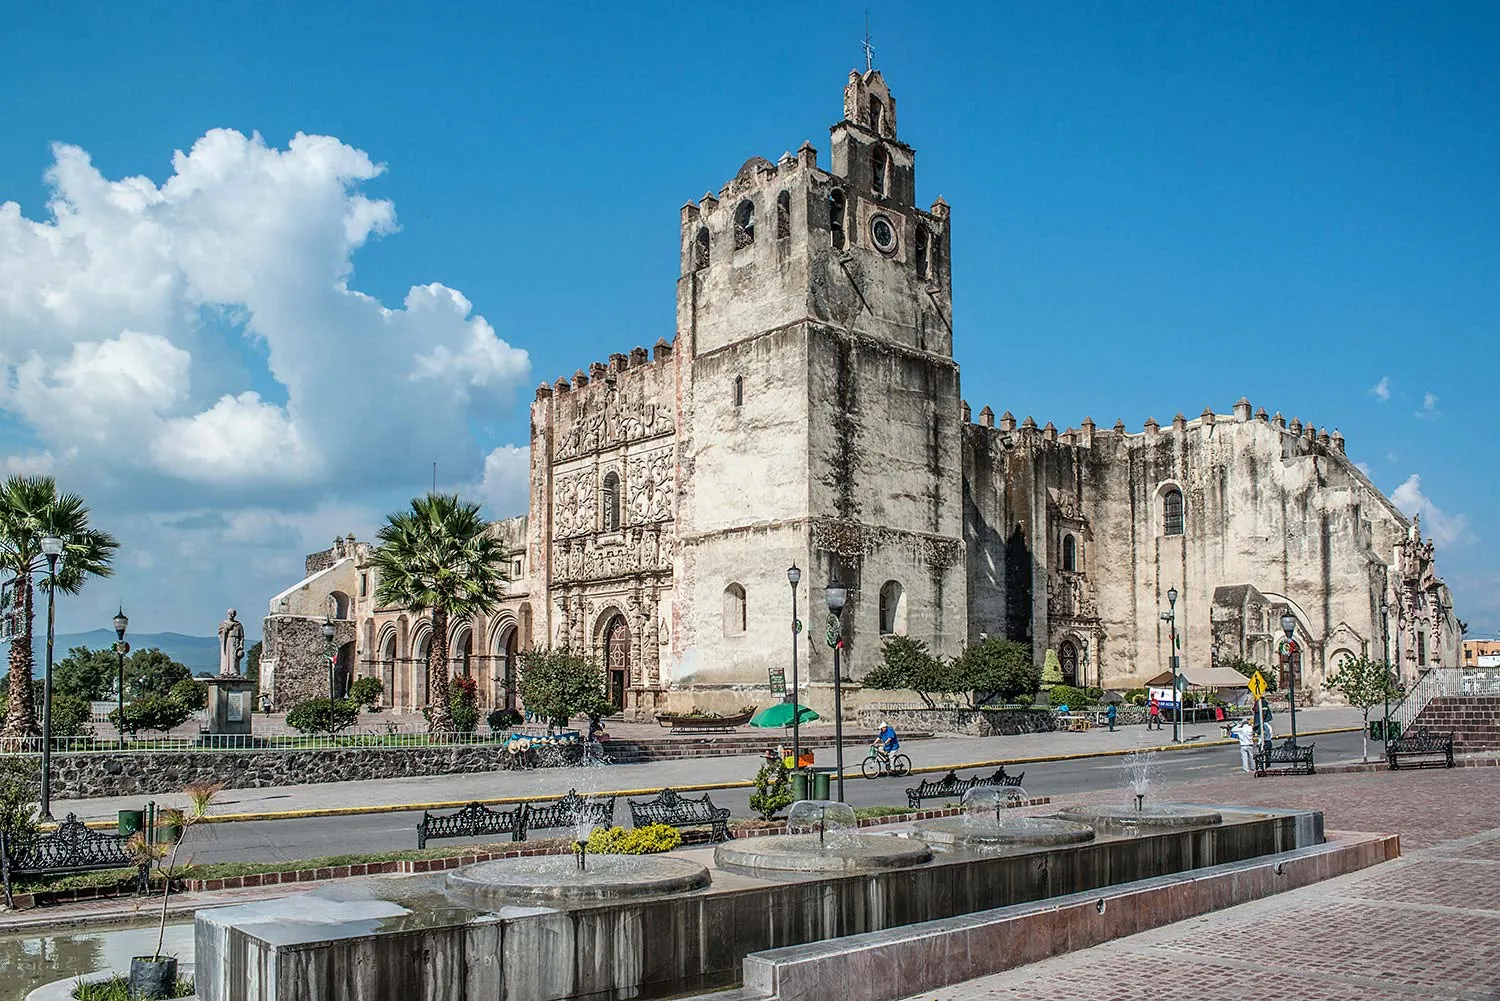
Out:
{"x": 1423, "y": 926}
{"x": 445, "y": 791}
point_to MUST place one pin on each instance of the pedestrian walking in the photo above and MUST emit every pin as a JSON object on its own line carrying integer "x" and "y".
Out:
{"x": 1153, "y": 719}
{"x": 1109, "y": 714}
{"x": 1245, "y": 734}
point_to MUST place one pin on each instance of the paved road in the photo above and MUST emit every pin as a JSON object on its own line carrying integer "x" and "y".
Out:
{"x": 323, "y": 836}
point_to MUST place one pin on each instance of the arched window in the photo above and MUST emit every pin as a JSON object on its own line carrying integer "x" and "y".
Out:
{"x": 878, "y": 165}
{"x": 922, "y": 239}
{"x": 1171, "y": 512}
{"x": 892, "y": 609}
{"x": 836, "y": 217}
{"x": 700, "y": 249}
{"x": 877, "y": 114}
{"x": 744, "y": 224}
{"x": 734, "y": 610}
{"x": 611, "y": 502}
{"x": 783, "y": 215}
{"x": 1070, "y": 553}
{"x": 739, "y": 390}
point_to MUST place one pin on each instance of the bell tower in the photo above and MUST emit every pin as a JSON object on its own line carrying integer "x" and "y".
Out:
{"x": 819, "y": 412}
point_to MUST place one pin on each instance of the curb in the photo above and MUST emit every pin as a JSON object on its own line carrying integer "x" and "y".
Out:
{"x": 355, "y": 811}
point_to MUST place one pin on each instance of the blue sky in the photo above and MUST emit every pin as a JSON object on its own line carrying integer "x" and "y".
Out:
{"x": 1156, "y": 208}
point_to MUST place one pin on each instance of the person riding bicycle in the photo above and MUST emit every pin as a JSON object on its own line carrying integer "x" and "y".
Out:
{"x": 886, "y": 742}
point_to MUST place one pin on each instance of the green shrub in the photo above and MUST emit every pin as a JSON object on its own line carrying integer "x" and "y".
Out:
{"x": 1138, "y": 699}
{"x": 648, "y": 840}
{"x": 319, "y": 716}
{"x": 20, "y": 790}
{"x": 1024, "y": 701}
{"x": 117, "y": 988}
{"x": 365, "y": 692}
{"x": 190, "y": 693}
{"x": 773, "y": 789}
{"x": 1095, "y": 694}
{"x": 152, "y": 712}
{"x": 503, "y": 719}
{"x": 557, "y": 685}
{"x": 1067, "y": 695}
{"x": 463, "y": 703}
{"x": 71, "y": 716}
{"x": 1051, "y": 669}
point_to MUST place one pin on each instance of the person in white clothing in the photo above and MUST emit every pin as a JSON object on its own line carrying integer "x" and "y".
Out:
{"x": 1244, "y": 732}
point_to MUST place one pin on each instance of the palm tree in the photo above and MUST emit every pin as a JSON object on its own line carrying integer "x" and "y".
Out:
{"x": 31, "y": 509}
{"x": 439, "y": 556}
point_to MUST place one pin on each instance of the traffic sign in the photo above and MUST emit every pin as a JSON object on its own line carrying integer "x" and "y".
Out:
{"x": 1257, "y": 685}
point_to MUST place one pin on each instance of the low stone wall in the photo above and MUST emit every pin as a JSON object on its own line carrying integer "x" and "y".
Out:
{"x": 83, "y": 776}
{"x": 970, "y": 722}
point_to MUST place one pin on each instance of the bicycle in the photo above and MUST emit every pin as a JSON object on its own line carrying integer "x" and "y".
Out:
{"x": 877, "y": 764}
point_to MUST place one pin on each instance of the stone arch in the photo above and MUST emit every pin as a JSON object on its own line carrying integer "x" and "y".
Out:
{"x": 385, "y": 662}
{"x": 1068, "y": 657}
{"x": 736, "y": 610}
{"x": 1171, "y": 509}
{"x": 1069, "y": 552}
{"x": 701, "y": 252}
{"x": 744, "y": 224}
{"x": 339, "y": 605}
{"x": 421, "y": 644}
{"x": 783, "y": 215}
{"x": 616, "y": 645}
{"x": 609, "y": 502}
{"x": 461, "y": 652}
{"x": 836, "y": 218}
{"x": 892, "y": 609}
{"x": 504, "y": 656}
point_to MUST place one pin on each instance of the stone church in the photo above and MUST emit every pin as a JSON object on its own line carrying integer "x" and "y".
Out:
{"x": 807, "y": 413}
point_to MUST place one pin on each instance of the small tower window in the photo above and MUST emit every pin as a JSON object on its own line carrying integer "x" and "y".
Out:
{"x": 892, "y": 609}
{"x": 783, "y": 215}
{"x": 1171, "y": 508}
{"x": 734, "y": 610}
{"x": 739, "y": 390}
{"x": 836, "y": 217}
{"x": 922, "y": 238}
{"x": 744, "y": 224}
{"x": 878, "y": 166}
{"x": 611, "y": 500}
{"x": 1069, "y": 554}
{"x": 877, "y": 114}
{"x": 700, "y": 249}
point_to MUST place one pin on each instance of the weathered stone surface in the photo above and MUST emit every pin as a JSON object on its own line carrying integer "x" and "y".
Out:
{"x": 972, "y": 722}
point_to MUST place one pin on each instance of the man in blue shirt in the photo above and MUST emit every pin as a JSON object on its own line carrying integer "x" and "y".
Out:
{"x": 886, "y": 743}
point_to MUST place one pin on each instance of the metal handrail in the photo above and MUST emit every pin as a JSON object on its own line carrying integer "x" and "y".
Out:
{"x": 1444, "y": 682}
{"x": 105, "y": 744}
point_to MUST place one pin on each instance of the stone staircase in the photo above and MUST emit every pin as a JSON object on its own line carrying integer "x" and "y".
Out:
{"x": 1474, "y": 720}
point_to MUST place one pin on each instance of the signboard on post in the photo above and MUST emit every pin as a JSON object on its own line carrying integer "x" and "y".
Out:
{"x": 778, "y": 684}
{"x": 1257, "y": 686}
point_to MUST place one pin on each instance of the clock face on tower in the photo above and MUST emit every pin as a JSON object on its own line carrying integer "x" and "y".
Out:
{"x": 883, "y": 234}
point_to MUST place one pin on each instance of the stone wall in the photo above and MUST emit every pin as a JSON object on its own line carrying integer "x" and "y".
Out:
{"x": 1474, "y": 721}
{"x": 974, "y": 723}
{"x": 299, "y": 670}
{"x": 81, "y": 776}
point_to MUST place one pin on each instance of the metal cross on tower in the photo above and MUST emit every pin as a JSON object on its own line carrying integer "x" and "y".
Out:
{"x": 869, "y": 49}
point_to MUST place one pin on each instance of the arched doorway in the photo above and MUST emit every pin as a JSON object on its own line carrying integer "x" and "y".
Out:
{"x": 388, "y": 673}
{"x": 461, "y": 653}
{"x": 343, "y": 670}
{"x": 417, "y": 691}
{"x": 507, "y": 642}
{"x": 1067, "y": 654}
{"x": 617, "y": 658}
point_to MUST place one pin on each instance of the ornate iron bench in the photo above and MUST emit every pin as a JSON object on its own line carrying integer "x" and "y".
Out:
{"x": 69, "y": 849}
{"x": 569, "y": 811}
{"x": 1285, "y": 758}
{"x": 951, "y": 786}
{"x": 1423, "y": 744}
{"x": 472, "y": 821}
{"x": 670, "y": 808}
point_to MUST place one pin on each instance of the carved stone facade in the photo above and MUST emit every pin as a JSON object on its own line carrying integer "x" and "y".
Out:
{"x": 807, "y": 413}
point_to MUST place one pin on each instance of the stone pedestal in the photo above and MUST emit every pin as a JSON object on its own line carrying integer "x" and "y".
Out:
{"x": 231, "y": 700}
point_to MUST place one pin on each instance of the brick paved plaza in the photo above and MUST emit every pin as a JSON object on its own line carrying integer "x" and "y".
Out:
{"x": 1426, "y": 926}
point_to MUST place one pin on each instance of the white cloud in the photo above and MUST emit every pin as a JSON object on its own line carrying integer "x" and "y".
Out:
{"x": 1441, "y": 527}
{"x": 506, "y": 486}
{"x": 1382, "y": 389}
{"x": 1364, "y": 468}
{"x": 1429, "y": 409}
{"x": 107, "y": 355}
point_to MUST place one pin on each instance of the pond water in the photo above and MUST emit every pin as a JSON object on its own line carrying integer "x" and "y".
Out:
{"x": 30, "y": 959}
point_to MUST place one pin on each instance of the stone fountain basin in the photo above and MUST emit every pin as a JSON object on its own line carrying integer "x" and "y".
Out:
{"x": 805, "y": 853}
{"x": 1017, "y": 832}
{"x": 556, "y": 878}
{"x": 1123, "y": 818}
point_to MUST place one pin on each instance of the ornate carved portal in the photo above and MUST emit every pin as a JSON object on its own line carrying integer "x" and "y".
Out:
{"x": 617, "y": 658}
{"x": 1067, "y": 654}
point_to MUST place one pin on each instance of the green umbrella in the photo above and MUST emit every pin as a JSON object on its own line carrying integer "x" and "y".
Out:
{"x": 781, "y": 713}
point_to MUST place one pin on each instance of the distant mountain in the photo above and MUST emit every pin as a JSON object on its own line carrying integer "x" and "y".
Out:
{"x": 197, "y": 653}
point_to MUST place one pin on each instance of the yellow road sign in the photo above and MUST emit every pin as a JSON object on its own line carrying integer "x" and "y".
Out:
{"x": 1257, "y": 685}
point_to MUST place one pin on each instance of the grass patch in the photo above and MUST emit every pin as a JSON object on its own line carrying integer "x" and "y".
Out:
{"x": 867, "y": 812}
{"x": 117, "y": 988}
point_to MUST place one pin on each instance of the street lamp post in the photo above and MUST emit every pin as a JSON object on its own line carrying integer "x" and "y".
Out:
{"x": 1170, "y": 617}
{"x": 52, "y": 548}
{"x": 328, "y": 631}
{"x": 1289, "y": 626}
{"x": 794, "y": 577}
{"x": 121, "y": 649}
{"x": 1385, "y": 666}
{"x": 836, "y": 596}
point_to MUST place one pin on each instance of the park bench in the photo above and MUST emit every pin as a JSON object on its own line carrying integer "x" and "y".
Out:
{"x": 474, "y": 820}
{"x": 1423, "y": 744}
{"x": 950, "y": 786}
{"x": 676, "y": 811}
{"x": 569, "y": 811}
{"x": 69, "y": 849}
{"x": 1285, "y": 758}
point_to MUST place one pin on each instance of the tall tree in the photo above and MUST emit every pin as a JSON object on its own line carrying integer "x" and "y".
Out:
{"x": 1364, "y": 684}
{"x": 441, "y": 557}
{"x": 30, "y": 510}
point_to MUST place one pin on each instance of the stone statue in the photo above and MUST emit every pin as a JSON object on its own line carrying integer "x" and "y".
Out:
{"x": 231, "y": 645}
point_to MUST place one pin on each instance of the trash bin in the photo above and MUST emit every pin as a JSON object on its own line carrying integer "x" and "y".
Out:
{"x": 820, "y": 783}
{"x": 799, "y": 785}
{"x": 131, "y": 821}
